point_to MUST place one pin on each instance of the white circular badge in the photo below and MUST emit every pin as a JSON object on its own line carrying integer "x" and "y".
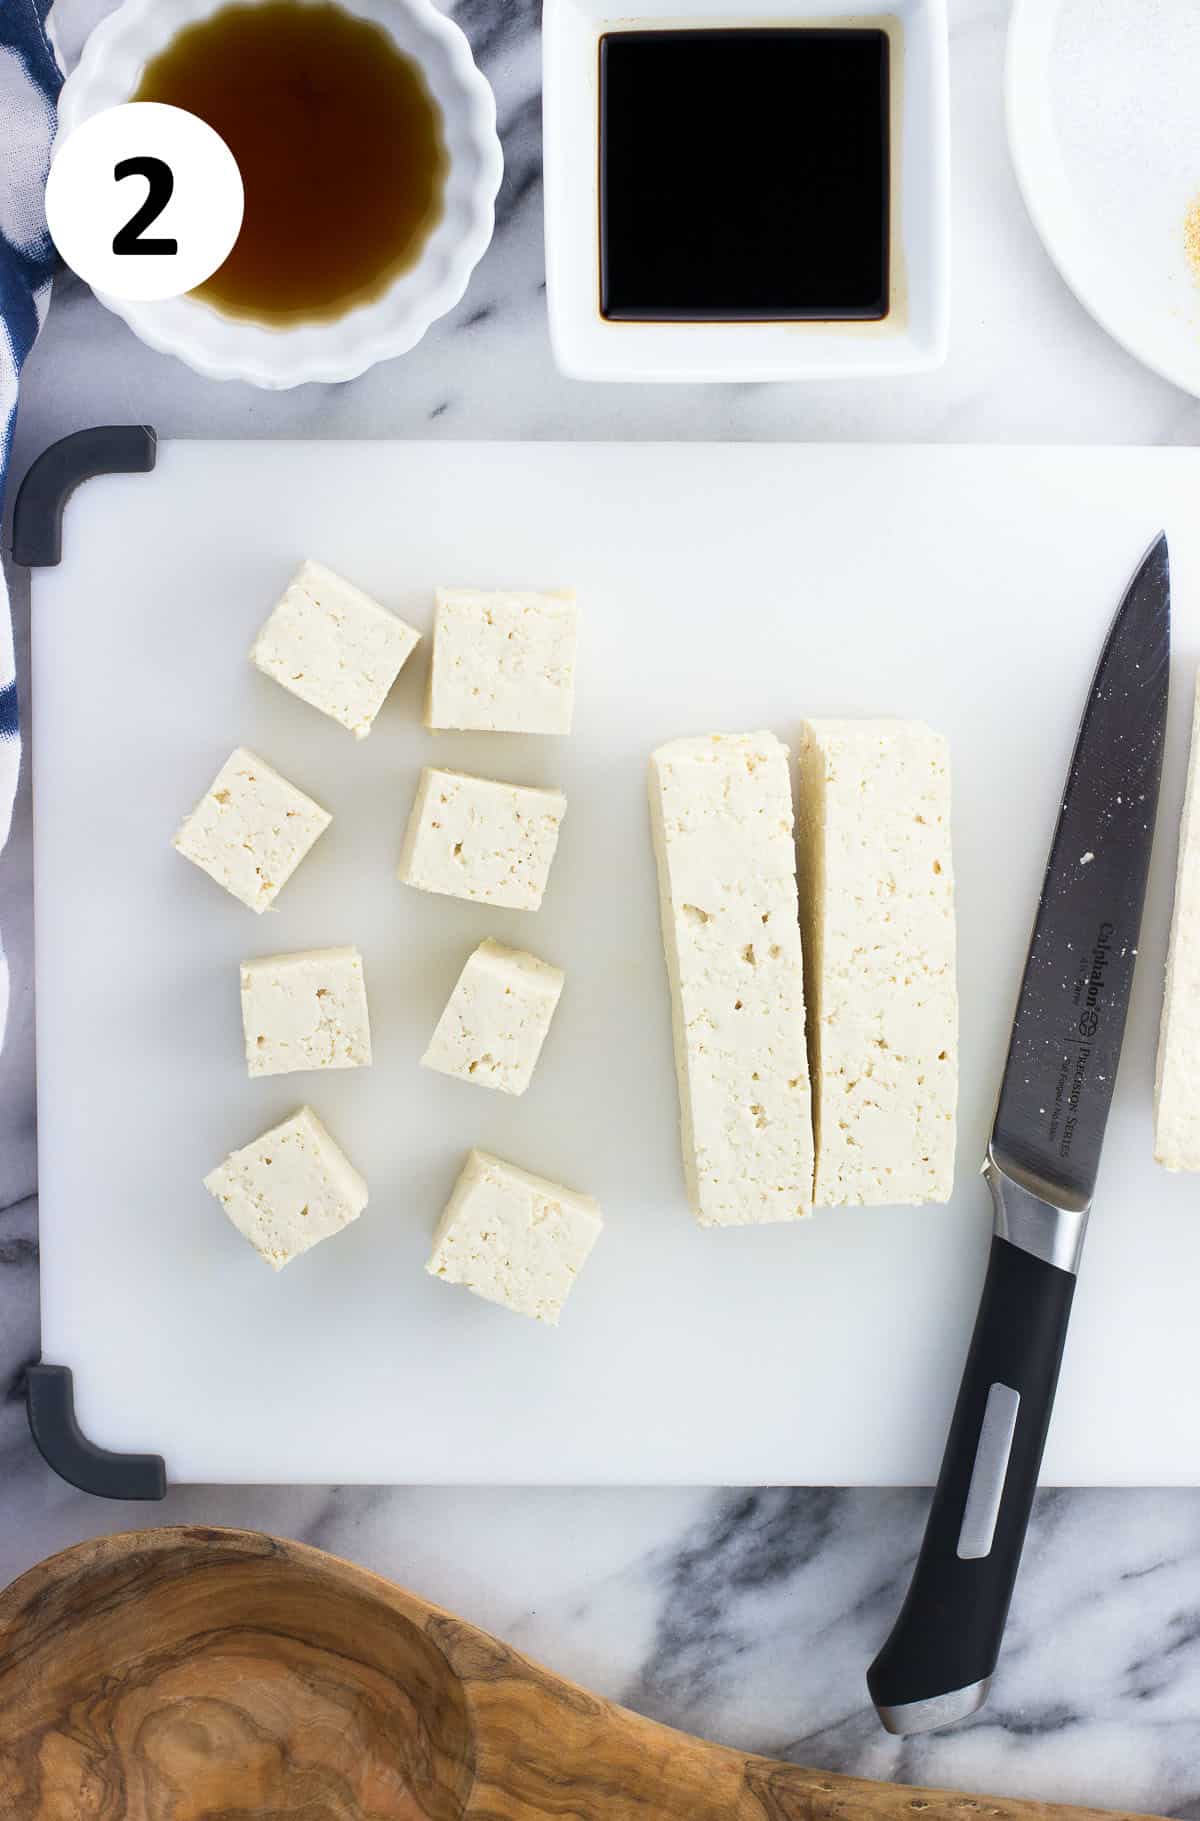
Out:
{"x": 144, "y": 201}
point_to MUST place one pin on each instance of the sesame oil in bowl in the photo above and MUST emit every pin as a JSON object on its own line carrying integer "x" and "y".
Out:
{"x": 340, "y": 145}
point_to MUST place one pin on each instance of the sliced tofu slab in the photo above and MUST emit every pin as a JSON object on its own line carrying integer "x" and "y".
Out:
{"x": 877, "y": 896}
{"x": 514, "y": 1238}
{"x": 721, "y": 811}
{"x": 476, "y": 838}
{"x": 289, "y": 1190}
{"x": 305, "y": 1011}
{"x": 1177, "y": 1086}
{"x": 503, "y": 662}
{"x": 251, "y": 829}
{"x": 496, "y": 1020}
{"x": 334, "y": 647}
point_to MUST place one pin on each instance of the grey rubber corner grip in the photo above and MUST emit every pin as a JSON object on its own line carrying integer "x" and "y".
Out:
{"x": 50, "y": 1400}
{"x": 58, "y": 470}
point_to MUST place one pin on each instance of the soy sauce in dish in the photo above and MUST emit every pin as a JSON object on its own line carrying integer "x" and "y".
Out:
{"x": 339, "y": 143}
{"x": 744, "y": 174}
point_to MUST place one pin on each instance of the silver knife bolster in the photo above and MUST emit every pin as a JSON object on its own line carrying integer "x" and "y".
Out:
{"x": 1043, "y": 1228}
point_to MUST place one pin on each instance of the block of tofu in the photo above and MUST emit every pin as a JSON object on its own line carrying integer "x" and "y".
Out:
{"x": 877, "y": 895}
{"x": 474, "y": 838}
{"x": 502, "y": 662}
{"x": 305, "y": 1011}
{"x": 334, "y": 647}
{"x": 496, "y": 1019}
{"x": 1177, "y": 1080}
{"x": 721, "y": 813}
{"x": 514, "y": 1238}
{"x": 251, "y": 829}
{"x": 290, "y": 1189}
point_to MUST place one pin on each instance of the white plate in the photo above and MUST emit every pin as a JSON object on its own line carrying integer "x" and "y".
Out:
{"x": 1102, "y": 123}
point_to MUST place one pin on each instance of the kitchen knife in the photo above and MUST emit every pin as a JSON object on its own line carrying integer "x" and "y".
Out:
{"x": 936, "y": 1666}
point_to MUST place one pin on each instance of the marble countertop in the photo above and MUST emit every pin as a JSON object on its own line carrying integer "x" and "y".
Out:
{"x": 746, "y": 1615}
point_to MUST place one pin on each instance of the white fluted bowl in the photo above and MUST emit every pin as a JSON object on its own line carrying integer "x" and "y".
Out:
{"x": 226, "y": 347}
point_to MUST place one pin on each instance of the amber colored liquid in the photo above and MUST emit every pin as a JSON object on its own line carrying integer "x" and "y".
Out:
{"x": 339, "y": 143}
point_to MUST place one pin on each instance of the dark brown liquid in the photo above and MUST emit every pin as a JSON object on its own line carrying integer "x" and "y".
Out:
{"x": 744, "y": 174}
{"x": 339, "y": 143}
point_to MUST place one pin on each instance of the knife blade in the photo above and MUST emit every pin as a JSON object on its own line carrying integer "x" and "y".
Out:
{"x": 1066, "y": 1041}
{"x": 1042, "y": 1161}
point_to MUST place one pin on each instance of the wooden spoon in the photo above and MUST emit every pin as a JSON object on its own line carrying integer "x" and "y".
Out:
{"x": 219, "y": 1675}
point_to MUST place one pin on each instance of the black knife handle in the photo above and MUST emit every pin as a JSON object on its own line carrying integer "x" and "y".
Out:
{"x": 934, "y": 1668}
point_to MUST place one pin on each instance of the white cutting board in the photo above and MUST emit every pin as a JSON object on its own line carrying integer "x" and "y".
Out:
{"x": 721, "y": 588}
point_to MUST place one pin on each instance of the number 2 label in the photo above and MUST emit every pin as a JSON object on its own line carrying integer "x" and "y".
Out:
{"x": 161, "y": 180}
{"x": 144, "y": 201}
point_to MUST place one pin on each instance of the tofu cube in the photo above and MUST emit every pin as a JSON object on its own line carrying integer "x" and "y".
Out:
{"x": 496, "y": 1019}
{"x": 473, "y": 838}
{"x": 251, "y": 829}
{"x": 721, "y": 816}
{"x": 289, "y": 1190}
{"x": 305, "y": 1011}
{"x": 1177, "y": 1081}
{"x": 514, "y": 1238}
{"x": 877, "y": 885}
{"x": 334, "y": 647}
{"x": 502, "y": 662}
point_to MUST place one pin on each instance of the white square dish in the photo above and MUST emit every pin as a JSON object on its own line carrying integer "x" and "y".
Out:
{"x": 910, "y": 338}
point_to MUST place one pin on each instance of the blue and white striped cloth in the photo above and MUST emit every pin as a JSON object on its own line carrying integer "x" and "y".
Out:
{"x": 29, "y": 84}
